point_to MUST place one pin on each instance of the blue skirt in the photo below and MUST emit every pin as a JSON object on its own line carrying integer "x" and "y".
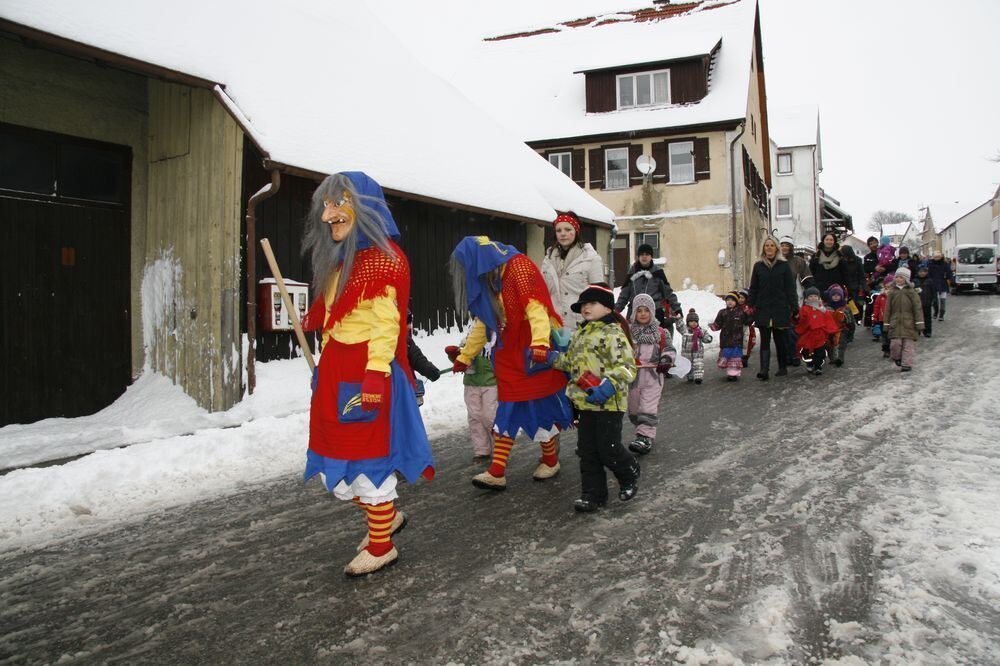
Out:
{"x": 732, "y": 352}
{"x": 409, "y": 448}
{"x": 546, "y": 413}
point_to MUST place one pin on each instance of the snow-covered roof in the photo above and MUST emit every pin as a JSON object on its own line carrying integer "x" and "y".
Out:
{"x": 325, "y": 87}
{"x": 794, "y": 125}
{"x": 952, "y": 214}
{"x": 534, "y": 80}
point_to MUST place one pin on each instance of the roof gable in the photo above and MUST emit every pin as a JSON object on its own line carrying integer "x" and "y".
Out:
{"x": 532, "y": 79}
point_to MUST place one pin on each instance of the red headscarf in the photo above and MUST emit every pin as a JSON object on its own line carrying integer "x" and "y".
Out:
{"x": 568, "y": 218}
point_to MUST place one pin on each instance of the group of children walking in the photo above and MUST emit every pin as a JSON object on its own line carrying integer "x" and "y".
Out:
{"x": 616, "y": 366}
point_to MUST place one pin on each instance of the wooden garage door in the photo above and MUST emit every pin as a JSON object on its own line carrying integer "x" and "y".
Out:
{"x": 65, "y": 345}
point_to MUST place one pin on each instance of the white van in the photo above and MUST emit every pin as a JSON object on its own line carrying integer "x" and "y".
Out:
{"x": 976, "y": 267}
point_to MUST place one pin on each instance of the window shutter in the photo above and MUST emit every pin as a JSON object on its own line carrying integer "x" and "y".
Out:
{"x": 634, "y": 175}
{"x": 596, "y": 168}
{"x": 662, "y": 170}
{"x": 701, "y": 160}
{"x": 579, "y": 154}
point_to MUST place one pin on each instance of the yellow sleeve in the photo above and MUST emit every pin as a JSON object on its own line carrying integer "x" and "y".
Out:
{"x": 384, "y": 332}
{"x": 474, "y": 344}
{"x": 538, "y": 319}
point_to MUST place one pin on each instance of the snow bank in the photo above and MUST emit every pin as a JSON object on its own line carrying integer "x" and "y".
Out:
{"x": 186, "y": 454}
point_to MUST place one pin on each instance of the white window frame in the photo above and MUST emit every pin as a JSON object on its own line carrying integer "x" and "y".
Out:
{"x": 777, "y": 207}
{"x": 675, "y": 179}
{"x": 563, "y": 158}
{"x": 635, "y": 89}
{"x": 607, "y": 175}
{"x": 790, "y": 164}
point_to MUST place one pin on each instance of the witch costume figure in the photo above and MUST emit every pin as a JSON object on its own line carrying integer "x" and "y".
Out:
{"x": 365, "y": 428}
{"x": 506, "y": 294}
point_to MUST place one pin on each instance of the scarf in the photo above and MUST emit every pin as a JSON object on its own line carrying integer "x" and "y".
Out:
{"x": 646, "y": 335}
{"x": 828, "y": 261}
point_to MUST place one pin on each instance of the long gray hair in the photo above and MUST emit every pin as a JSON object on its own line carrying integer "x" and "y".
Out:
{"x": 458, "y": 287}
{"x": 325, "y": 254}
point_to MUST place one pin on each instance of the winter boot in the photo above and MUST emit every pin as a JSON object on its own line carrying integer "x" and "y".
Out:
{"x": 628, "y": 489}
{"x": 588, "y": 504}
{"x": 641, "y": 445}
{"x": 746, "y": 361}
{"x": 765, "y": 364}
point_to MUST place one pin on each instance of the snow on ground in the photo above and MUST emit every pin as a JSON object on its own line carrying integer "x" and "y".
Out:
{"x": 184, "y": 453}
{"x": 181, "y": 453}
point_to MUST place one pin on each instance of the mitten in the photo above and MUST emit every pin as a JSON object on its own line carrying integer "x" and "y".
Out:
{"x": 538, "y": 358}
{"x": 459, "y": 367}
{"x": 372, "y": 388}
{"x": 601, "y": 394}
{"x": 452, "y": 351}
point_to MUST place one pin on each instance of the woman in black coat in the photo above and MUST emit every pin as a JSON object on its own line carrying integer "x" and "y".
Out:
{"x": 774, "y": 300}
{"x": 826, "y": 265}
{"x": 855, "y": 283}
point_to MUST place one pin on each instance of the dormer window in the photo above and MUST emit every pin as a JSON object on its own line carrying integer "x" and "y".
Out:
{"x": 643, "y": 89}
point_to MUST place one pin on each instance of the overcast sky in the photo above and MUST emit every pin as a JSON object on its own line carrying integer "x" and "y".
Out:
{"x": 908, "y": 90}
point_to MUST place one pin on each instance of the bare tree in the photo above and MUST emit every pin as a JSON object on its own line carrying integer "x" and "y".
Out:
{"x": 881, "y": 218}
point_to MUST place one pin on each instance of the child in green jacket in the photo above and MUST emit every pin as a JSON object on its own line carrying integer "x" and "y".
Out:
{"x": 601, "y": 367}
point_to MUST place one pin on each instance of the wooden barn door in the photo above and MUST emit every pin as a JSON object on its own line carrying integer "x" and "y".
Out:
{"x": 65, "y": 344}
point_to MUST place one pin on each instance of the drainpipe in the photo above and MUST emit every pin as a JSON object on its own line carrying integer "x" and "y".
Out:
{"x": 611, "y": 256}
{"x": 737, "y": 268}
{"x": 263, "y": 193}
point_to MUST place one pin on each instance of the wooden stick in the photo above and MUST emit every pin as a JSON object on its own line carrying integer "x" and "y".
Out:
{"x": 289, "y": 306}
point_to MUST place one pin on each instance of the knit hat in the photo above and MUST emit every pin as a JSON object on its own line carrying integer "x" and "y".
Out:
{"x": 811, "y": 291}
{"x": 835, "y": 295}
{"x": 847, "y": 251}
{"x": 889, "y": 278}
{"x": 735, "y": 295}
{"x": 744, "y": 292}
{"x": 885, "y": 240}
{"x": 787, "y": 240}
{"x": 903, "y": 272}
{"x": 568, "y": 218}
{"x": 870, "y": 239}
{"x": 691, "y": 317}
{"x": 599, "y": 292}
{"x": 645, "y": 248}
{"x": 641, "y": 301}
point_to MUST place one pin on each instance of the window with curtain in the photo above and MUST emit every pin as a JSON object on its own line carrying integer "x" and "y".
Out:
{"x": 681, "y": 156}
{"x": 643, "y": 89}
{"x": 616, "y": 168}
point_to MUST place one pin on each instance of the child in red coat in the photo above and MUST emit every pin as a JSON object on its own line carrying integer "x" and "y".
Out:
{"x": 816, "y": 329}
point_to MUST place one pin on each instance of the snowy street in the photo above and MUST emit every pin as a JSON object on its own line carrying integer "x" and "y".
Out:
{"x": 845, "y": 519}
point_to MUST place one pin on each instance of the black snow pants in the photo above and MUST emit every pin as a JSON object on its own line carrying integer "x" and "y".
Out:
{"x": 599, "y": 445}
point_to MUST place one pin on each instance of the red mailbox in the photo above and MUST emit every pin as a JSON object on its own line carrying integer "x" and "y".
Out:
{"x": 271, "y": 312}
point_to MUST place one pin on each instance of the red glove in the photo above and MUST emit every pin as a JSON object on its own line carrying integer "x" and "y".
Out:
{"x": 539, "y": 354}
{"x": 452, "y": 351}
{"x": 372, "y": 389}
{"x": 588, "y": 380}
{"x": 459, "y": 367}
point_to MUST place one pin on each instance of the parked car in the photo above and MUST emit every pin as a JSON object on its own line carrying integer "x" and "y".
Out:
{"x": 976, "y": 267}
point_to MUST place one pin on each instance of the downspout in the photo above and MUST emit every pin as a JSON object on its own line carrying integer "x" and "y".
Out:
{"x": 737, "y": 269}
{"x": 263, "y": 193}
{"x": 611, "y": 256}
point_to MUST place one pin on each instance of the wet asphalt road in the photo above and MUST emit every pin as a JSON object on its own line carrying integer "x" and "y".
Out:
{"x": 733, "y": 501}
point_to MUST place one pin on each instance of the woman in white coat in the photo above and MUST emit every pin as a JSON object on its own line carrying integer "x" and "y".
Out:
{"x": 569, "y": 267}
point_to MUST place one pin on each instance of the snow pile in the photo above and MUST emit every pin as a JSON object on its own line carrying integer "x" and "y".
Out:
{"x": 185, "y": 454}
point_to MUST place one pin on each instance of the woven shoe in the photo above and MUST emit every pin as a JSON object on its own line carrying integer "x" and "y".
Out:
{"x": 545, "y": 472}
{"x": 398, "y": 523}
{"x": 365, "y": 563}
{"x": 487, "y": 481}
